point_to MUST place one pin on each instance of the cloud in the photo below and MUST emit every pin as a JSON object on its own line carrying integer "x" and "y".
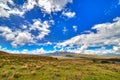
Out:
{"x": 17, "y": 37}
{"x": 25, "y": 36}
{"x": 38, "y": 51}
{"x": 106, "y": 34}
{"x": 4, "y": 7}
{"x": 41, "y": 27}
{"x": 116, "y": 48}
{"x": 7, "y": 33}
{"x": 100, "y": 51}
{"x": 22, "y": 38}
{"x": 52, "y": 5}
{"x": 45, "y": 44}
{"x": 26, "y": 51}
{"x": 46, "y": 6}
{"x": 0, "y": 47}
{"x": 69, "y": 14}
{"x": 118, "y": 2}
{"x": 65, "y": 30}
{"x": 24, "y": 27}
{"x": 5, "y": 29}
{"x": 29, "y": 5}
{"x": 6, "y": 10}
{"x": 75, "y": 28}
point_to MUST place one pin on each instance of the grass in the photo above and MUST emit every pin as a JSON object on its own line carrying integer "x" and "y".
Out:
{"x": 28, "y": 67}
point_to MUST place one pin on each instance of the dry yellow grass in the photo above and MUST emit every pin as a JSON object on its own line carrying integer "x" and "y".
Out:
{"x": 25, "y": 67}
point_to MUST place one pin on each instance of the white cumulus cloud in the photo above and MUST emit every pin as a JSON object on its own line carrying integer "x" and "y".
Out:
{"x": 16, "y": 37}
{"x": 69, "y": 14}
{"x": 41, "y": 27}
{"x": 7, "y": 33}
{"x": 52, "y": 5}
{"x": 75, "y": 28}
{"x": 22, "y": 37}
{"x": 6, "y": 10}
{"x": 106, "y": 34}
{"x": 46, "y": 6}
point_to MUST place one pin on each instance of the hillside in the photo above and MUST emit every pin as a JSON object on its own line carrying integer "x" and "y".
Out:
{"x": 80, "y": 56}
{"x": 4, "y": 53}
{"x": 33, "y": 67}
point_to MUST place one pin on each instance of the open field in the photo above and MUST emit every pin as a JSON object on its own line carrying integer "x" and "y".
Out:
{"x": 29, "y": 67}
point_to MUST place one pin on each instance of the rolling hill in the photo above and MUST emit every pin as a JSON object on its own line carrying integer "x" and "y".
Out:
{"x": 36, "y": 67}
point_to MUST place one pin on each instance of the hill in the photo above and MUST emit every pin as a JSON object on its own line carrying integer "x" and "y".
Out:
{"x": 112, "y": 54}
{"x": 80, "y": 56}
{"x": 35, "y": 67}
{"x": 3, "y": 53}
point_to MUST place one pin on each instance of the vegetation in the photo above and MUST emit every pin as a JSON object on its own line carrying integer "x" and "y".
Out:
{"x": 29, "y": 67}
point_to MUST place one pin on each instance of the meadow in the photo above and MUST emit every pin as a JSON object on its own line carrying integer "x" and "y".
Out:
{"x": 33, "y": 67}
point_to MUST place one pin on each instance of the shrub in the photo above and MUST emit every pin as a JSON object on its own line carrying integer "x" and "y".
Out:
{"x": 33, "y": 72}
{"x": 104, "y": 61}
{"x": 1, "y": 65}
{"x": 25, "y": 67}
{"x": 13, "y": 67}
{"x": 17, "y": 75}
{"x": 38, "y": 67}
{"x": 5, "y": 74}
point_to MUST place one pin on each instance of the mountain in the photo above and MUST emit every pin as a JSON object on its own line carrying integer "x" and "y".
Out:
{"x": 58, "y": 53}
{"x": 111, "y": 54}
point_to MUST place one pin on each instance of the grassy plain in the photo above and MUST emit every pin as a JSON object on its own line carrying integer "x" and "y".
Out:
{"x": 29, "y": 67}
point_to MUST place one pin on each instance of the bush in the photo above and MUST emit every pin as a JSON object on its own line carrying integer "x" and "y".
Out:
{"x": 5, "y": 74}
{"x": 33, "y": 72}
{"x": 105, "y": 61}
{"x": 1, "y": 65}
{"x": 12, "y": 67}
{"x": 17, "y": 75}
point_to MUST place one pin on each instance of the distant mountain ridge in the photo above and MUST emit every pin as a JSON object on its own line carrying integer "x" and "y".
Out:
{"x": 68, "y": 54}
{"x": 111, "y": 54}
{"x": 58, "y": 53}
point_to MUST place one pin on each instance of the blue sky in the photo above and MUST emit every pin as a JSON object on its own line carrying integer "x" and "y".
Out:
{"x": 43, "y": 26}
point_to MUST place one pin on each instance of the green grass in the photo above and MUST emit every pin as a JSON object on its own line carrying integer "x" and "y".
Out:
{"x": 23, "y": 67}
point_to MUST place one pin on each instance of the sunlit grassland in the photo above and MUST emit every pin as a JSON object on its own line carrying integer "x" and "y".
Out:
{"x": 28, "y": 67}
